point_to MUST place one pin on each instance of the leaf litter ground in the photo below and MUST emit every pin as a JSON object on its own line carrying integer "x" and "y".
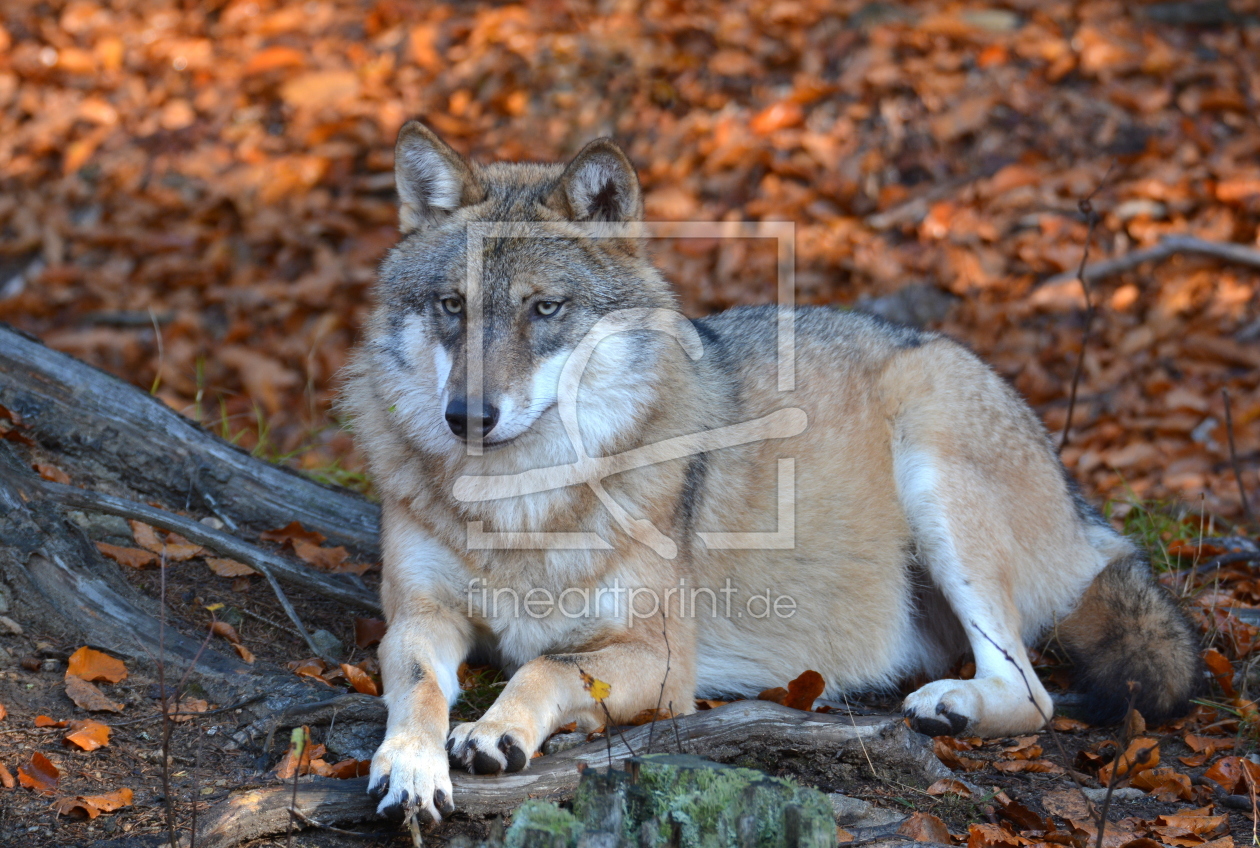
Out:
{"x": 195, "y": 198}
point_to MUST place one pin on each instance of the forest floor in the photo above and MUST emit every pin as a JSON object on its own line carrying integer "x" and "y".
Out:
{"x": 195, "y": 197}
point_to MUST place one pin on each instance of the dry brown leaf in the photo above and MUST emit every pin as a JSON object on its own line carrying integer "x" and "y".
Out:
{"x": 51, "y": 472}
{"x": 293, "y": 531}
{"x": 145, "y": 536}
{"x": 91, "y": 806}
{"x": 93, "y": 666}
{"x": 189, "y": 705}
{"x": 224, "y": 567}
{"x": 804, "y": 690}
{"x": 130, "y": 557}
{"x": 1142, "y": 754}
{"x": 949, "y": 786}
{"x": 244, "y": 653}
{"x": 88, "y": 697}
{"x": 777, "y": 695}
{"x": 45, "y": 721}
{"x": 87, "y": 735}
{"x": 226, "y": 631}
{"x": 6, "y": 777}
{"x": 925, "y": 827}
{"x": 347, "y": 769}
{"x": 39, "y": 774}
{"x": 4, "y": 712}
{"x": 368, "y": 632}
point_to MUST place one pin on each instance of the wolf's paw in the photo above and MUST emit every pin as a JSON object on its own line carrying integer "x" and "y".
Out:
{"x": 487, "y": 747}
{"x": 941, "y": 708}
{"x": 410, "y": 775}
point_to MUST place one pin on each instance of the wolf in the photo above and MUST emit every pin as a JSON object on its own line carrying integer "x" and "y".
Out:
{"x": 898, "y": 507}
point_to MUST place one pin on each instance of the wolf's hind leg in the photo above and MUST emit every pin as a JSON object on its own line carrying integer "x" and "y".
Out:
{"x": 962, "y": 542}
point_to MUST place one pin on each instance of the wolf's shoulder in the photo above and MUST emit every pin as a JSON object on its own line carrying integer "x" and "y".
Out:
{"x": 748, "y": 328}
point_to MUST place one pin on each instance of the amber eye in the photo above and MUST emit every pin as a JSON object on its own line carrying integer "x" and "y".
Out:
{"x": 547, "y": 308}
{"x": 452, "y": 305}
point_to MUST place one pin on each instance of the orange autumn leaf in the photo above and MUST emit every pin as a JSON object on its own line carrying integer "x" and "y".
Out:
{"x": 350, "y": 768}
{"x": 39, "y": 774}
{"x": 949, "y": 786}
{"x": 1165, "y": 784}
{"x": 1142, "y": 754}
{"x": 130, "y": 557}
{"x": 93, "y": 666}
{"x": 4, "y": 712}
{"x": 1221, "y": 668}
{"x": 6, "y": 777}
{"x": 293, "y": 531}
{"x": 804, "y": 690}
{"x": 776, "y": 695}
{"x": 224, "y": 567}
{"x": 51, "y": 473}
{"x": 145, "y": 536}
{"x": 226, "y": 631}
{"x": 46, "y": 721}
{"x": 1227, "y": 772}
{"x": 91, "y": 806}
{"x": 87, "y": 735}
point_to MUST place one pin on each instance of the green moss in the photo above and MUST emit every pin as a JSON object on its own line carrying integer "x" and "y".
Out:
{"x": 539, "y": 823}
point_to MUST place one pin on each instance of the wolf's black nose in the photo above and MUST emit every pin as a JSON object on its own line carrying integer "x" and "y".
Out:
{"x": 460, "y": 419}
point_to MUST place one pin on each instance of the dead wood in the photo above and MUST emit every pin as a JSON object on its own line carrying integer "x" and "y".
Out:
{"x": 112, "y": 427}
{"x": 56, "y": 571}
{"x": 757, "y": 733}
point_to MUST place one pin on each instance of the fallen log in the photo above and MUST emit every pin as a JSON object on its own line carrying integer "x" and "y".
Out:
{"x": 104, "y": 423}
{"x": 812, "y": 746}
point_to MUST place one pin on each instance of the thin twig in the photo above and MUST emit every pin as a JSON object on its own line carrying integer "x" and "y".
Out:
{"x": 673, "y": 716}
{"x": 1091, "y": 217}
{"x": 196, "y": 792}
{"x": 1170, "y": 245}
{"x": 1233, "y": 460}
{"x": 1227, "y": 559}
{"x": 310, "y": 822}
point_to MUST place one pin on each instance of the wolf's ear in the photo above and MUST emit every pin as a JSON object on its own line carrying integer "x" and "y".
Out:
{"x": 600, "y": 185}
{"x": 432, "y": 179}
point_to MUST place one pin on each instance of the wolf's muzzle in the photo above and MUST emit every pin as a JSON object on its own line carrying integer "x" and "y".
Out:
{"x": 460, "y": 419}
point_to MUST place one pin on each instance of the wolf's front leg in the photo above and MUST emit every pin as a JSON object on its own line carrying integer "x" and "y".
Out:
{"x": 549, "y": 691}
{"x": 419, "y": 655}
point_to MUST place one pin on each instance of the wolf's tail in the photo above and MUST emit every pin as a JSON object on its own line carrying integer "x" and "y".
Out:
{"x": 1129, "y": 630}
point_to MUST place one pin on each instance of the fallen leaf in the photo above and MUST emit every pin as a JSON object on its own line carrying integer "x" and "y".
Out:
{"x": 350, "y": 768}
{"x": 924, "y": 827}
{"x": 368, "y": 631}
{"x": 993, "y": 836}
{"x": 45, "y": 721}
{"x": 1063, "y": 724}
{"x": 949, "y": 786}
{"x": 191, "y": 705}
{"x": 777, "y": 695}
{"x": 1227, "y": 772}
{"x": 229, "y": 567}
{"x": 145, "y": 536}
{"x": 6, "y": 777}
{"x": 87, "y": 735}
{"x": 91, "y": 806}
{"x": 92, "y": 665}
{"x": 650, "y": 715}
{"x": 51, "y": 472}
{"x": 360, "y": 679}
{"x": 1142, "y": 754}
{"x": 4, "y": 712}
{"x": 1031, "y": 766}
{"x": 1067, "y": 804}
{"x": 804, "y": 690}
{"x": 244, "y": 653}
{"x": 947, "y": 748}
{"x": 39, "y": 774}
{"x": 598, "y": 689}
{"x": 293, "y": 531}
{"x": 130, "y": 557}
{"x": 225, "y": 630}
{"x": 88, "y": 697}
{"x": 1222, "y": 669}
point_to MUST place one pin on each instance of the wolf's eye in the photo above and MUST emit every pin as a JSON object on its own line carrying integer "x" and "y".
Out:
{"x": 452, "y": 305}
{"x": 547, "y": 308}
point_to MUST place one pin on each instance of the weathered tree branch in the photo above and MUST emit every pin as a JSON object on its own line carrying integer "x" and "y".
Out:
{"x": 775, "y": 737}
{"x": 264, "y": 561}
{"x": 1237, "y": 254}
{"x": 54, "y": 568}
{"x": 103, "y": 422}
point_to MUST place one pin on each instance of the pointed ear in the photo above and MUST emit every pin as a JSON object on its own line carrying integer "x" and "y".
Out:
{"x": 600, "y": 185}
{"x": 432, "y": 179}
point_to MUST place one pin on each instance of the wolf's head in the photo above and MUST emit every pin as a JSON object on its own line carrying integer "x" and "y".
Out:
{"x": 499, "y": 263}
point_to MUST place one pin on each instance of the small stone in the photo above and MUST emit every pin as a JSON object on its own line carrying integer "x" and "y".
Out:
{"x": 328, "y": 644}
{"x": 848, "y": 809}
{"x": 10, "y": 626}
